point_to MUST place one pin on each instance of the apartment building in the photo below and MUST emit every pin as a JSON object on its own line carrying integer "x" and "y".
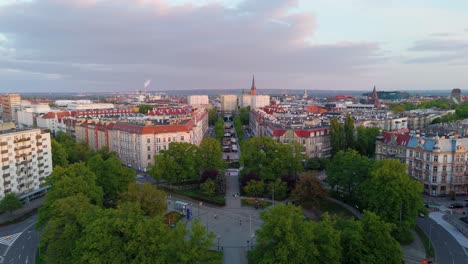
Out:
{"x": 286, "y": 128}
{"x": 228, "y": 102}
{"x": 10, "y": 104}
{"x": 97, "y": 134}
{"x": 194, "y": 100}
{"x": 439, "y": 163}
{"x": 26, "y": 160}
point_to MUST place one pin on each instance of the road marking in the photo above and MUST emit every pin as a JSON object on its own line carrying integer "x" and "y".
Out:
{"x": 8, "y": 248}
{"x": 27, "y": 260}
{"x": 10, "y": 239}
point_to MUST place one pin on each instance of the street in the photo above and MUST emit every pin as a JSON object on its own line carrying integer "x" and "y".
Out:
{"x": 234, "y": 225}
{"x": 18, "y": 242}
{"x": 447, "y": 249}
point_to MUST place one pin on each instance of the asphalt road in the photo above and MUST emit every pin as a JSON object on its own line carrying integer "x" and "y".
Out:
{"x": 18, "y": 242}
{"x": 447, "y": 249}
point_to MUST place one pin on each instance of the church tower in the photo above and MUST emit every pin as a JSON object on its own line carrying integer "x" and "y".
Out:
{"x": 253, "y": 89}
{"x": 375, "y": 98}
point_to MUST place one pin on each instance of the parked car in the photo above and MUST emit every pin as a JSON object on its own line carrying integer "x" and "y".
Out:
{"x": 456, "y": 205}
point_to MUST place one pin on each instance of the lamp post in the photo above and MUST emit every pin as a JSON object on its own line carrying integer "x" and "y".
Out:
{"x": 248, "y": 245}
{"x": 218, "y": 241}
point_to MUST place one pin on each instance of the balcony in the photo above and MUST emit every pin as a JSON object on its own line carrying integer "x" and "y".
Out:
{"x": 41, "y": 179}
{"x": 3, "y": 143}
{"x": 5, "y": 175}
{"x": 4, "y": 151}
{"x": 5, "y": 183}
{"x": 5, "y": 159}
{"x": 41, "y": 171}
{"x": 22, "y": 139}
{"x": 40, "y": 158}
{"x": 5, "y": 167}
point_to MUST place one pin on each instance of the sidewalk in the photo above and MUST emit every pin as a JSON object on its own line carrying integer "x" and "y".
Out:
{"x": 461, "y": 239}
{"x": 6, "y": 216}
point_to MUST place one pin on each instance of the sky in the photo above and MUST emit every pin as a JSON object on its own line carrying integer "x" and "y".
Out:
{"x": 116, "y": 45}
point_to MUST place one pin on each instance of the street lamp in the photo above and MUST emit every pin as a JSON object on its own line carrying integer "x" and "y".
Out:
{"x": 218, "y": 241}
{"x": 248, "y": 245}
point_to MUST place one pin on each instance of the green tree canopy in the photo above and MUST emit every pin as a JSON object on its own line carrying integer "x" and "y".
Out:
{"x": 144, "y": 108}
{"x": 151, "y": 200}
{"x": 254, "y": 188}
{"x": 308, "y": 191}
{"x": 208, "y": 187}
{"x": 346, "y": 173}
{"x": 244, "y": 114}
{"x": 211, "y": 155}
{"x": 278, "y": 188}
{"x": 59, "y": 154}
{"x": 10, "y": 202}
{"x": 212, "y": 116}
{"x": 396, "y": 198}
{"x": 219, "y": 128}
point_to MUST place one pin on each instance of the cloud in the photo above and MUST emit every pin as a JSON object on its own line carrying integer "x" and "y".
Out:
{"x": 120, "y": 43}
{"x": 440, "y": 51}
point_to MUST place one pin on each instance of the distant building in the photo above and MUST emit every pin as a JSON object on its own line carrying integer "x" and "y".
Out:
{"x": 89, "y": 106}
{"x": 253, "y": 89}
{"x": 10, "y": 104}
{"x": 456, "y": 96}
{"x": 394, "y": 95}
{"x": 259, "y": 101}
{"x": 228, "y": 102}
{"x": 197, "y": 100}
{"x": 26, "y": 160}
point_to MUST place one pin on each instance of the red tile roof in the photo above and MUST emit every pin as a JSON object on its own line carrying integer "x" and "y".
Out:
{"x": 401, "y": 139}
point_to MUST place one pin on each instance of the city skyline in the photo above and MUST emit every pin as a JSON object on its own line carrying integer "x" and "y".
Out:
{"x": 104, "y": 46}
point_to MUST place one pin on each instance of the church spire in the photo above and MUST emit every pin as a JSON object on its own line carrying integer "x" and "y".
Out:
{"x": 253, "y": 89}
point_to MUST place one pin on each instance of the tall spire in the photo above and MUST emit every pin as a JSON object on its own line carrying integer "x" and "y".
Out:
{"x": 253, "y": 89}
{"x": 375, "y": 98}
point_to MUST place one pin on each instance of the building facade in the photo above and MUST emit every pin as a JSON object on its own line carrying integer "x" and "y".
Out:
{"x": 197, "y": 100}
{"x": 438, "y": 163}
{"x": 228, "y": 102}
{"x": 26, "y": 160}
{"x": 10, "y": 104}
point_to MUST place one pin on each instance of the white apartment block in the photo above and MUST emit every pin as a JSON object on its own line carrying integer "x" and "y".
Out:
{"x": 228, "y": 102}
{"x": 10, "y": 104}
{"x": 259, "y": 101}
{"x": 246, "y": 100}
{"x": 89, "y": 106}
{"x": 26, "y": 160}
{"x": 197, "y": 100}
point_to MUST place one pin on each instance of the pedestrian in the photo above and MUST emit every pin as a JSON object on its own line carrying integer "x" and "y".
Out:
{"x": 215, "y": 216}
{"x": 240, "y": 221}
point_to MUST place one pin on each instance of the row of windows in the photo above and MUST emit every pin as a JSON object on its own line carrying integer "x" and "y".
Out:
{"x": 169, "y": 139}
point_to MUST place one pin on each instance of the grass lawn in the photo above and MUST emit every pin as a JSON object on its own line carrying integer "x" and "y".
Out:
{"x": 251, "y": 202}
{"x": 215, "y": 257}
{"x": 427, "y": 243}
{"x": 332, "y": 208}
{"x": 198, "y": 195}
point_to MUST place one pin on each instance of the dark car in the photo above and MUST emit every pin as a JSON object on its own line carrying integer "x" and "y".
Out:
{"x": 456, "y": 205}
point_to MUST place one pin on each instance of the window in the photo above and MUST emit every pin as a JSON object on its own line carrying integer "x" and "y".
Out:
{"x": 158, "y": 148}
{"x": 436, "y": 158}
{"x": 181, "y": 138}
{"x": 169, "y": 139}
{"x": 444, "y": 168}
{"x": 411, "y": 163}
{"x": 164, "y": 139}
{"x": 149, "y": 148}
{"x": 164, "y": 147}
{"x": 434, "y": 169}
{"x": 158, "y": 140}
{"x": 434, "y": 178}
{"x": 149, "y": 156}
{"x": 444, "y": 178}
{"x": 428, "y": 157}
{"x": 148, "y": 140}
{"x": 445, "y": 158}
{"x": 411, "y": 153}
{"x": 427, "y": 167}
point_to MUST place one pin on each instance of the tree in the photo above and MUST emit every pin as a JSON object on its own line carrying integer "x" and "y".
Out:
{"x": 396, "y": 198}
{"x": 67, "y": 219}
{"x": 336, "y": 136}
{"x": 378, "y": 244}
{"x": 254, "y": 188}
{"x": 349, "y": 132}
{"x": 244, "y": 114}
{"x": 366, "y": 138}
{"x": 212, "y": 116}
{"x": 66, "y": 182}
{"x": 211, "y": 155}
{"x": 397, "y": 108}
{"x": 111, "y": 175}
{"x": 219, "y": 129}
{"x": 59, "y": 154}
{"x": 144, "y": 108}
{"x": 10, "y": 202}
{"x": 285, "y": 237}
{"x": 278, "y": 188}
{"x": 151, "y": 200}
{"x": 239, "y": 128}
{"x": 308, "y": 191}
{"x": 208, "y": 188}
{"x": 312, "y": 164}
{"x": 270, "y": 159}
{"x": 346, "y": 173}
{"x": 351, "y": 240}
{"x": 327, "y": 240}
{"x": 181, "y": 161}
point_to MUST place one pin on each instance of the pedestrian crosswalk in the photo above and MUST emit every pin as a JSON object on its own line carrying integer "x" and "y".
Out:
{"x": 10, "y": 239}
